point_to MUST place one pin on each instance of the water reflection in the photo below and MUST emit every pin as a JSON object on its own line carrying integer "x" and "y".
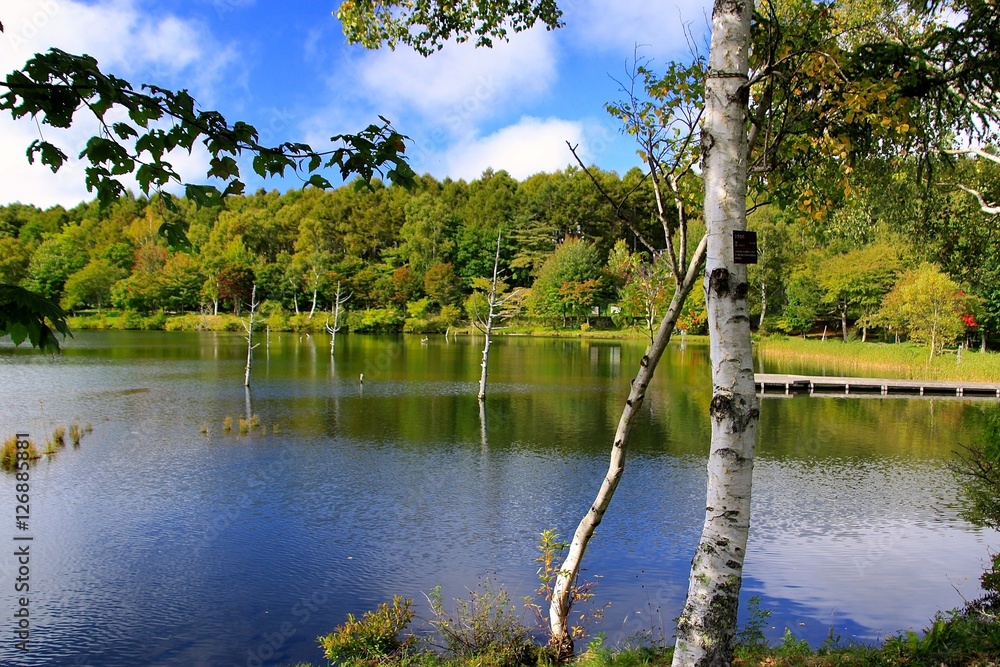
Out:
{"x": 158, "y": 544}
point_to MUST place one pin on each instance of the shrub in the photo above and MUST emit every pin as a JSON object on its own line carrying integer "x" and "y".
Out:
{"x": 8, "y": 456}
{"x": 484, "y": 625}
{"x": 130, "y": 320}
{"x": 156, "y": 322}
{"x": 582, "y": 592}
{"x": 750, "y": 640}
{"x": 187, "y": 322}
{"x": 372, "y": 638}
{"x": 375, "y": 320}
{"x": 415, "y": 325}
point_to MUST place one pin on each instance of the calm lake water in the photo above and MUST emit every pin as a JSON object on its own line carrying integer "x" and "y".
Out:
{"x": 157, "y": 544}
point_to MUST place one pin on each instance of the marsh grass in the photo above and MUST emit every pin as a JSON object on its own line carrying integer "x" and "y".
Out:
{"x": 856, "y": 359}
{"x": 59, "y": 436}
{"x": 8, "y": 455}
{"x": 75, "y": 434}
{"x": 244, "y": 425}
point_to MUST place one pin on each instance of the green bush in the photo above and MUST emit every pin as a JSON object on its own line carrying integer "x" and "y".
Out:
{"x": 187, "y": 322}
{"x": 155, "y": 322}
{"x": 374, "y": 637}
{"x": 750, "y": 640}
{"x": 421, "y": 326}
{"x": 375, "y": 320}
{"x": 130, "y": 320}
{"x": 485, "y": 625}
{"x": 415, "y": 325}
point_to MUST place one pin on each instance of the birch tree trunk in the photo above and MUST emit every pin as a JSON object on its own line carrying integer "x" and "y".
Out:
{"x": 249, "y": 330}
{"x": 338, "y": 299}
{"x": 708, "y": 622}
{"x": 763, "y": 303}
{"x": 486, "y": 360}
{"x": 496, "y": 304}
{"x": 562, "y": 593}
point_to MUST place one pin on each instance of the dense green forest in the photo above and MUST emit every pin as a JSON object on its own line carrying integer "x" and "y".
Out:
{"x": 904, "y": 256}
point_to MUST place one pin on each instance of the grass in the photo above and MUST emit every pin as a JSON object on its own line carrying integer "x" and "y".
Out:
{"x": 8, "y": 455}
{"x": 243, "y": 425}
{"x": 969, "y": 638}
{"x": 75, "y": 434}
{"x": 900, "y": 361}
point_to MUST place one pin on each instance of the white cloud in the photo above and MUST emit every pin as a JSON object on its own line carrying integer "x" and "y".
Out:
{"x": 460, "y": 85}
{"x": 126, "y": 42}
{"x": 531, "y": 146}
{"x": 657, "y": 27}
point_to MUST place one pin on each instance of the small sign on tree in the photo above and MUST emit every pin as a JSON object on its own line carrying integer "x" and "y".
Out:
{"x": 744, "y": 247}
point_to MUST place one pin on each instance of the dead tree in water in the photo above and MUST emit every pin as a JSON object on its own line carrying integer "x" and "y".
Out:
{"x": 332, "y": 330}
{"x": 485, "y": 315}
{"x": 248, "y": 326}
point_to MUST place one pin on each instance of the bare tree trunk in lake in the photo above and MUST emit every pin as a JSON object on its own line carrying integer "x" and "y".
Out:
{"x": 496, "y": 302}
{"x": 338, "y": 300}
{"x": 707, "y": 625}
{"x": 249, "y": 330}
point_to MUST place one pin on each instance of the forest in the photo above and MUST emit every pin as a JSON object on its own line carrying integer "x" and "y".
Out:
{"x": 898, "y": 257}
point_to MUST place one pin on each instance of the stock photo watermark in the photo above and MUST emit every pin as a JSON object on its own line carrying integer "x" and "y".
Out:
{"x": 19, "y": 33}
{"x": 22, "y": 543}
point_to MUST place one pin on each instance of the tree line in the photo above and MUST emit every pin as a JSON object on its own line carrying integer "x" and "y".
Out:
{"x": 893, "y": 259}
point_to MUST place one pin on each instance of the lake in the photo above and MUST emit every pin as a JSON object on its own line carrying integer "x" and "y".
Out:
{"x": 154, "y": 543}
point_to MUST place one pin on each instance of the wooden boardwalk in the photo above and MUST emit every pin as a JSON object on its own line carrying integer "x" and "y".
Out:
{"x": 812, "y": 385}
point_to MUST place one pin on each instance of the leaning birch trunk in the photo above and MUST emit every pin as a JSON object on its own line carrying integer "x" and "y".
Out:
{"x": 562, "y": 593}
{"x": 707, "y": 624}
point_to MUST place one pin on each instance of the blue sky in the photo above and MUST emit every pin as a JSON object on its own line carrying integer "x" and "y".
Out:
{"x": 285, "y": 68}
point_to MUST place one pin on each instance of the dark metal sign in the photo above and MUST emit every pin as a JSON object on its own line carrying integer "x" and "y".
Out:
{"x": 744, "y": 247}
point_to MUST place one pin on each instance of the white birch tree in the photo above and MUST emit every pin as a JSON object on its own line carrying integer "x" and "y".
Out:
{"x": 338, "y": 300}
{"x": 707, "y": 624}
{"x": 248, "y": 326}
{"x": 486, "y": 312}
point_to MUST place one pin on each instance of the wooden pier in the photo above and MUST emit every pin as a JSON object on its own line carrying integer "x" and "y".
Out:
{"x": 770, "y": 383}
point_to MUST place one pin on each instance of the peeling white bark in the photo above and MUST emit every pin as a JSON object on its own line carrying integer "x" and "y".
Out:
{"x": 708, "y": 622}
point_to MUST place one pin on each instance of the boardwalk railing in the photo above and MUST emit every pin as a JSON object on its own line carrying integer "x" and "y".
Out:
{"x": 811, "y": 384}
